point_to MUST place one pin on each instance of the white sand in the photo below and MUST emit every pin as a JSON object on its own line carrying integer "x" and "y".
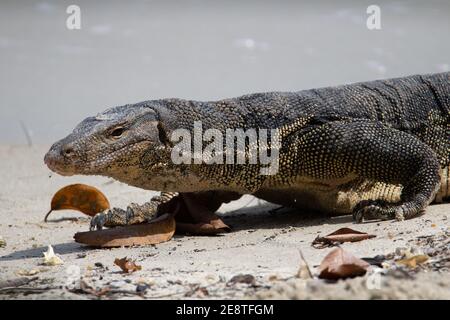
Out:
{"x": 262, "y": 244}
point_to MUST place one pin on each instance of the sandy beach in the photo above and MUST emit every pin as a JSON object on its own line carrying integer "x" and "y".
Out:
{"x": 263, "y": 244}
{"x": 52, "y": 77}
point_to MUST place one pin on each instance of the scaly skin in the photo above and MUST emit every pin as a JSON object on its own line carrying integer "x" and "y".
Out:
{"x": 379, "y": 149}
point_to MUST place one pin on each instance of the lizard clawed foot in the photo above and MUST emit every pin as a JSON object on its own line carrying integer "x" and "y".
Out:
{"x": 110, "y": 218}
{"x": 134, "y": 213}
{"x": 193, "y": 215}
{"x": 376, "y": 210}
{"x": 98, "y": 221}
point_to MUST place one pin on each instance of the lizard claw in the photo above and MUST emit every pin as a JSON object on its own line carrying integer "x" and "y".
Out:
{"x": 374, "y": 210}
{"x": 98, "y": 221}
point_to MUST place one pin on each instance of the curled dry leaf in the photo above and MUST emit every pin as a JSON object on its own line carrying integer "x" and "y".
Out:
{"x": 80, "y": 197}
{"x": 340, "y": 236}
{"x": 412, "y": 262}
{"x": 50, "y": 258}
{"x": 155, "y": 232}
{"x": 339, "y": 264}
{"x": 127, "y": 265}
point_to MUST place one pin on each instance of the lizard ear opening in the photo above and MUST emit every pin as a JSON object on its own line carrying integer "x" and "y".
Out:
{"x": 163, "y": 135}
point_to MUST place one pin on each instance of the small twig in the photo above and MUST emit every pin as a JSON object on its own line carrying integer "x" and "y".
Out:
{"x": 27, "y": 133}
{"x": 16, "y": 282}
{"x": 129, "y": 292}
{"x": 184, "y": 292}
{"x": 25, "y": 289}
{"x": 167, "y": 295}
{"x": 306, "y": 263}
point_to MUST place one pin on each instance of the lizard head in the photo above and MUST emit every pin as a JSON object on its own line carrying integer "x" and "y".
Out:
{"x": 120, "y": 143}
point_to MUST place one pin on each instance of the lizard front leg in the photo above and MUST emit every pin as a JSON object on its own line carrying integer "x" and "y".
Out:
{"x": 190, "y": 208}
{"x": 372, "y": 151}
{"x": 134, "y": 213}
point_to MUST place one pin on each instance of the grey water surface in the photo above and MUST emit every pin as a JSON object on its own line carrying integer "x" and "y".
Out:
{"x": 128, "y": 51}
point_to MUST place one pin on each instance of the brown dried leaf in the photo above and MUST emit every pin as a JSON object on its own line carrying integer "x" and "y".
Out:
{"x": 340, "y": 236}
{"x": 155, "y": 232}
{"x": 197, "y": 291}
{"x": 127, "y": 265}
{"x": 242, "y": 278}
{"x": 86, "y": 288}
{"x": 80, "y": 197}
{"x": 339, "y": 264}
{"x": 412, "y": 262}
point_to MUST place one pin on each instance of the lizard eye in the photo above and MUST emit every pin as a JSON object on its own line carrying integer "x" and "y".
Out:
{"x": 117, "y": 132}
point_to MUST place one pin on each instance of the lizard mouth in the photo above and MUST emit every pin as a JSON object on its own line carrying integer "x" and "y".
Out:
{"x": 57, "y": 164}
{"x": 69, "y": 167}
{"x": 126, "y": 150}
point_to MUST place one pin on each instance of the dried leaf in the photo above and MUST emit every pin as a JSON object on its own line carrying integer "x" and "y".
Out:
{"x": 242, "y": 278}
{"x": 197, "y": 291}
{"x": 50, "y": 258}
{"x": 160, "y": 230}
{"x": 378, "y": 260}
{"x": 80, "y": 197}
{"x": 340, "y": 236}
{"x": 273, "y": 277}
{"x": 339, "y": 264}
{"x": 2, "y": 242}
{"x": 28, "y": 273}
{"x": 412, "y": 262}
{"x": 86, "y": 288}
{"x": 127, "y": 265}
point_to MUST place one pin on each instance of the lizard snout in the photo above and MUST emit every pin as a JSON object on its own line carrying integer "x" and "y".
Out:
{"x": 57, "y": 158}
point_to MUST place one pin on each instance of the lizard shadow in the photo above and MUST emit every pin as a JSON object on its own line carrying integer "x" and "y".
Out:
{"x": 268, "y": 216}
{"x": 262, "y": 216}
{"x": 60, "y": 249}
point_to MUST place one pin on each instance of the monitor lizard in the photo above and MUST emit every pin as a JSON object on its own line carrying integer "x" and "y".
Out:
{"x": 377, "y": 150}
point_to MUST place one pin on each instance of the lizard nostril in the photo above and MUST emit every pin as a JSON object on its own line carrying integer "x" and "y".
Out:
{"x": 67, "y": 151}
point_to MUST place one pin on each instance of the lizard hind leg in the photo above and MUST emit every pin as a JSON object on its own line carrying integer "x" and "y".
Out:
{"x": 374, "y": 152}
{"x": 418, "y": 192}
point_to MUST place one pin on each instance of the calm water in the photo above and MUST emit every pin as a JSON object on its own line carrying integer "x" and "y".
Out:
{"x": 128, "y": 51}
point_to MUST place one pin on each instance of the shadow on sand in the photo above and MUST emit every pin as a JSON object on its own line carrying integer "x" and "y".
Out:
{"x": 268, "y": 216}
{"x": 60, "y": 248}
{"x": 264, "y": 216}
